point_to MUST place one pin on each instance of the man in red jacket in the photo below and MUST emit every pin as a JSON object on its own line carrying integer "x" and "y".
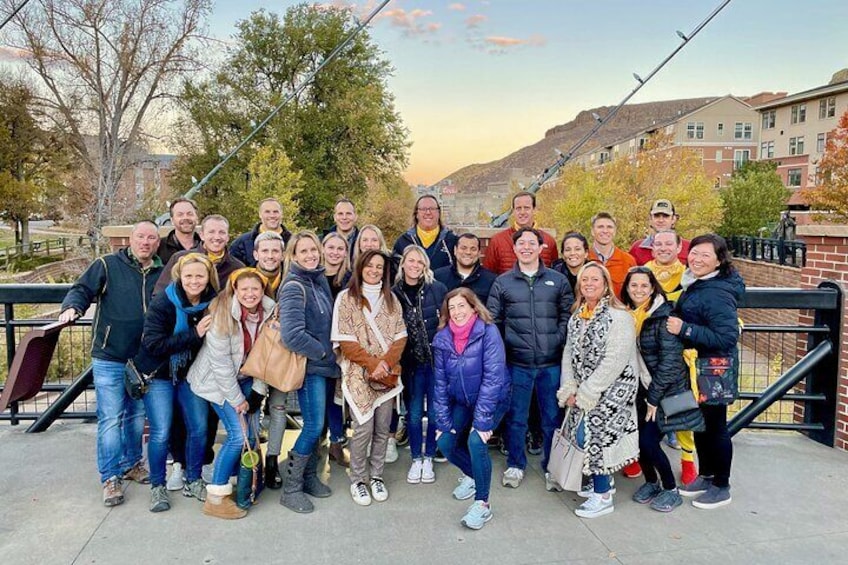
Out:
{"x": 500, "y": 255}
{"x": 662, "y": 218}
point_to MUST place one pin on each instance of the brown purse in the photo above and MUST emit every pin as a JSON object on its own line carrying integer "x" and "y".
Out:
{"x": 272, "y": 362}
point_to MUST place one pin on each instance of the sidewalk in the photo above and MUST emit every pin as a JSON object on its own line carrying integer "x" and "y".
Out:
{"x": 789, "y": 506}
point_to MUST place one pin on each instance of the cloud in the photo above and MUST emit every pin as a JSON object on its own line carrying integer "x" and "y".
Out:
{"x": 475, "y": 20}
{"x": 410, "y": 22}
{"x": 12, "y": 54}
{"x": 457, "y": 7}
{"x": 502, "y": 41}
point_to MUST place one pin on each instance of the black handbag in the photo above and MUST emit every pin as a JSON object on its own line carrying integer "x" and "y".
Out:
{"x": 718, "y": 379}
{"x": 678, "y": 403}
{"x": 135, "y": 381}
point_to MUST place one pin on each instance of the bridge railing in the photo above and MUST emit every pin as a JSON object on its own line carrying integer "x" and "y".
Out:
{"x": 788, "y": 373}
{"x": 778, "y": 251}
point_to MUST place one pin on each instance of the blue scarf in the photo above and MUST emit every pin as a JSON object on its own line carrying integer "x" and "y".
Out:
{"x": 181, "y": 358}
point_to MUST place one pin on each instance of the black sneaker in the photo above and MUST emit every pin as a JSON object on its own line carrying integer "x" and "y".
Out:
{"x": 439, "y": 457}
{"x": 534, "y": 444}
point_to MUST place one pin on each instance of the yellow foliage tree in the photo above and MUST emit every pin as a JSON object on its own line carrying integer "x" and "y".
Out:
{"x": 271, "y": 176}
{"x": 389, "y": 205}
{"x": 832, "y": 193}
{"x": 627, "y": 187}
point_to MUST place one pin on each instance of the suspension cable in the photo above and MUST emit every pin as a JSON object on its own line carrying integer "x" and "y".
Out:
{"x": 13, "y": 14}
{"x": 548, "y": 173}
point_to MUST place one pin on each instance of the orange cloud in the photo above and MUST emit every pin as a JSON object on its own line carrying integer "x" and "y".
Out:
{"x": 502, "y": 41}
{"x": 408, "y": 21}
{"x": 457, "y": 7}
{"x": 11, "y": 54}
{"x": 475, "y": 20}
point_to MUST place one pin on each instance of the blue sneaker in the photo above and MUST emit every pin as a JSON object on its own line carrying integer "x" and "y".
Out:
{"x": 646, "y": 493}
{"x": 478, "y": 514}
{"x": 667, "y": 500}
{"x": 715, "y": 497}
{"x": 466, "y": 489}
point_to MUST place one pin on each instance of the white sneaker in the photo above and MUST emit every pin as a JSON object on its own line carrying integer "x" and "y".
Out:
{"x": 379, "y": 492}
{"x": 428, "y": 475}
{"x": 551, "y": 485}
{"x": 206, "y": 473}
{"x": 176, "y": 481}
{"x": 587, "y": 487}
{"x": 413, "y": 477}
{"x": 512, "y": 477}
{"x": 595, "y": 506}
{"x": 360, "y": 495}
{"x": 391, "y": 451}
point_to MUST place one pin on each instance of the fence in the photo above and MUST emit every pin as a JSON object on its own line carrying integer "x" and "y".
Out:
{"x": 797, "y": 393}
{"x": 47, "y": 248}
{"x": 779, "y": 251}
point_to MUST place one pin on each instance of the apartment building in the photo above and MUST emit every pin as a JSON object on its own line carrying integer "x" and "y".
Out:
{"x": 724, "y": 130}
{"x": 794, "y": 131}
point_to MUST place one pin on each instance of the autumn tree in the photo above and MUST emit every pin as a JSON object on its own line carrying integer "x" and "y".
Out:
{"x": 341, "y": 132}
{"x": 626, "y": 187}
{"x": 104, "y": 67}
{"x": 832, "y": 193}
{"x": 754, "y": 198}
{"x": 389, "y": 205}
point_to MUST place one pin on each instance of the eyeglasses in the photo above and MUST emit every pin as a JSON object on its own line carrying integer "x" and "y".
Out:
{"x": 640, "y": 269}
{"x": 429, "y": 209}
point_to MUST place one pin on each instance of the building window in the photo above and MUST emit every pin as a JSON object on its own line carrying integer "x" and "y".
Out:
{"x": 793, "y": 178}
{"x": 827, "y": 108}
{"x": 695, "y": 130}
{"x": 820, "y": 140}
{"x": 796, "y": 145}
{"x": 743, "y": 130}
{"x": 720, "y": 129}
{"x": 719, "y": 156}
{"x": 604, "y": 157}
{"x": 766, "y": 149}
{"x": 798, "y": 114}
{"x": 769, "y": 119}
{"x": 740, "y": 157}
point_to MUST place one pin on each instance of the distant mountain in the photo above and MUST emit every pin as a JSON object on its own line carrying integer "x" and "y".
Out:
{"x": 535, "y": 158}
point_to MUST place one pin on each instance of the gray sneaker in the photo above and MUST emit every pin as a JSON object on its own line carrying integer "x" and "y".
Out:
{"x": 195, "y": 489}
{"x": 159, "y": 499}
{"x": 715, "y": 497}
{"x": 667, "y": 500}
{"x": 697, "y": 487}
{"x": 646, "y": 493}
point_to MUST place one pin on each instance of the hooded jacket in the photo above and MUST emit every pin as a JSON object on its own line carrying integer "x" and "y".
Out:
{"x": 476, "y": 378}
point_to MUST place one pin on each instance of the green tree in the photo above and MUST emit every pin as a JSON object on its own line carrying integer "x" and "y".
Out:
{"x": 341, "y": 132}
{"x": 832, "y": 193}
{"x": 389, "y": 206}
{"x": 754, "y": 198}
{"x": 626, "y": 187}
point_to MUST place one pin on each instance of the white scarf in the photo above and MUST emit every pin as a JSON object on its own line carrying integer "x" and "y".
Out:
{"x": 372, "y": 294}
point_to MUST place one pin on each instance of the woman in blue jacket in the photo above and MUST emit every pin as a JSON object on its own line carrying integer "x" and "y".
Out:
{"x": 706, "y": 319}
{"x": 471, "y": 396}
{"x": 306, "y": 312}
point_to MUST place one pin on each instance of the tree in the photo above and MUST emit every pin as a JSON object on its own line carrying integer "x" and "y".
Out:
{"x": 832, "y": 193}
{"x": 754, "y": 198}
{"x": 104, "y": 66}
{"x": 341, "y": 132}
{"x": 32, "y": 158}
{"x": 389, "y": 205}
{"x": 626, "y": 187}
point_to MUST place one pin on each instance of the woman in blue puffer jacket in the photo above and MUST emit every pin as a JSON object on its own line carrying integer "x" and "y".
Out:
{"x": 471, "y": 395}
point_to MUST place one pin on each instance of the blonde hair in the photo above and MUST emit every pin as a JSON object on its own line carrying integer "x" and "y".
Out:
{"x": 190, "y": 258}
{"x": 344, "y": 268}
{"x": 427, "y": 276}
{"x": 223, "y": 322}
{"x": 579, "y": 300}
{"x": 379, "y": 232}
{"x": 473, "y": 301}
{"x": 292, "y": 247}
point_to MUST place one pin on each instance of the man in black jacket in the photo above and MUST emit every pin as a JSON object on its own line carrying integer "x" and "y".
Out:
{"x": 531, "y": 304}
{"x": 122, "y": 283}
{"x": 184, "y": 236}
{"x": 467, "y": 270}
{"x": 270, "y": 219}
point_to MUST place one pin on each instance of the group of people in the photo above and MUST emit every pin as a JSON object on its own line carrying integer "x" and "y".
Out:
{"x": 583, "y": 337}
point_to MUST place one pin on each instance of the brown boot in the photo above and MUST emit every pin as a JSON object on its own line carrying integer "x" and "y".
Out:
{"x": 220, "y": 504}
{"x": 339, "y": 455}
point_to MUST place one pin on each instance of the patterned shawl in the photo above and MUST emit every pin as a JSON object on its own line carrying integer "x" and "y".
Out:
{"x": 373, "y": 331}
{"x": 612, "y": 439}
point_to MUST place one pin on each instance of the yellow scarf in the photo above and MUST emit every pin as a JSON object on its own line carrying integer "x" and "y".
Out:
{"x": 216, "y": 257}
{"x": 585, "y": 313}
{"x": 427, "y": 237}
{"x": 516, "y": 227}
{"x": 640, "y": 314}
{"x": 263, "y": 229}
{"x": 669, "y": 276}
{"x": 273, "y": 282}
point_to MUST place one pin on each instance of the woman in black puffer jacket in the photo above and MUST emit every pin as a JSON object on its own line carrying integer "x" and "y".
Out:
{"x": 667, "y": 375}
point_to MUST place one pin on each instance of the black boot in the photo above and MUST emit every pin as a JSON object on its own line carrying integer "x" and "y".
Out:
{"x": 312, "y": 485}
{"x": 272, "y": 472}
{"x": 293, "y": 497}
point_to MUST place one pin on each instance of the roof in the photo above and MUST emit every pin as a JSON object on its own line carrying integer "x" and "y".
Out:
{"x": 810, "y": 94}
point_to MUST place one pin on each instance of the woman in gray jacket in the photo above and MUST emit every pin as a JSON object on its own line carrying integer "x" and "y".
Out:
{"x": 237, "y": 315}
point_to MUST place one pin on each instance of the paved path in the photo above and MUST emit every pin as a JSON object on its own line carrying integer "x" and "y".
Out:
{"x": 789, "y": 506}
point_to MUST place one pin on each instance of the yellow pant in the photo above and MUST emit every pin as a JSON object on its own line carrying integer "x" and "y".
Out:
{"x": 686, "y": 439}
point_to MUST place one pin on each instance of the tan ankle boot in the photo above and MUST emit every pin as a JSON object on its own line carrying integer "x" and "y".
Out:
{"x": 220, "y": 504}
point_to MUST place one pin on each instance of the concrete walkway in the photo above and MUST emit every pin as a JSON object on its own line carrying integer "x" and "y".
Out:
{"x": 789, "y": 506}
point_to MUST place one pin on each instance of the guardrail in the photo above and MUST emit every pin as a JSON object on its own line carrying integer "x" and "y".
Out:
{"x": 58, "y": 246}
{"x": 779, "y": 251}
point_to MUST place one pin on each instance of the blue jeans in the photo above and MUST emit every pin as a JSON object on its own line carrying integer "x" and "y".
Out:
{"x": 159, "y": 401}
{"x": 546, "y": 382}
{"x": 467, "y": 450}
{"x": 421, "y": 385}
{"x": 601, "y": 483}
{"x": 227, "y": 461}
{"x": 120, "y": 420}
{"x": 335, "y": 423}
{"x": 312, "y": 398}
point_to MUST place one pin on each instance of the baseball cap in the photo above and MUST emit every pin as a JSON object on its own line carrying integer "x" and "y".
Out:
{"x": 663, "y": 207}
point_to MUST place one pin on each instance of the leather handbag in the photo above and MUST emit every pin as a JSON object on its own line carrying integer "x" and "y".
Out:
{"x": 135, "y": 381}
{"x": 718, "y": 379}
{"x": 678, "y": 403}
{"x": 271, "y": 361}
{"x": 566, "y": 461}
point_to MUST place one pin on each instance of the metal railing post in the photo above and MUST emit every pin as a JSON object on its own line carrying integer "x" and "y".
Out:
{"x": 55, "y": 410}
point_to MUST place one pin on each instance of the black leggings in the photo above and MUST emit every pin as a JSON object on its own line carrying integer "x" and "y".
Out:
{"x": 652, "y": 458}
{"x": 715, "y": 450}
